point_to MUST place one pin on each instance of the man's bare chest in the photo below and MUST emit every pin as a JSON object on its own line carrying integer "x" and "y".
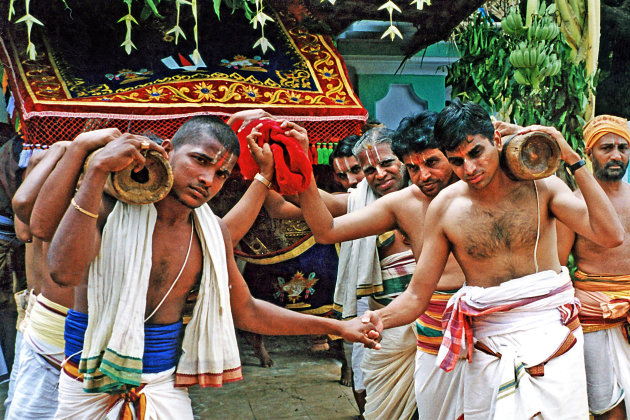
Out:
{"x": 176, "y": 263}
{"x": 507, "y": 228}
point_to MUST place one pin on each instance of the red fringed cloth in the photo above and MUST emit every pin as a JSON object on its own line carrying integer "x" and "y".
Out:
{"x": 74, "y": 86}
{"x": 293, "y": 168}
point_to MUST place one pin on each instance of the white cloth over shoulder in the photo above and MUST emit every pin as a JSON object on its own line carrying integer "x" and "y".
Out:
{"x": 117, "y": 288}
{"x": 359, "y": 263}
{"x": 522, "y": 320}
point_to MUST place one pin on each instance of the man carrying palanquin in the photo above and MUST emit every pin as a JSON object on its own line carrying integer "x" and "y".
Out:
{"x": 33, "y": 389}
{"x": 371, "y": 266}
{"x": 140, "y": 262}
{"x": 516, "y": 317}
{"x": 602, "y": 281}
{"x": 437, "y": 392}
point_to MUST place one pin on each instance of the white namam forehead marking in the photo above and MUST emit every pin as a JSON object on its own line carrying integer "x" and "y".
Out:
{"x": 374, "y": 159}
{"x": 338, "y": 164}
{"x": 345, "y": 160}
{"x": 226, "y": 159}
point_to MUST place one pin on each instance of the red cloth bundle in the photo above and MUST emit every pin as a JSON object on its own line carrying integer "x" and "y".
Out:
{"x": 292, "y": 166}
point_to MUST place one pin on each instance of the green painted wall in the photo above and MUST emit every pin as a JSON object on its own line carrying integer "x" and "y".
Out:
{"x": 373, "y": 87}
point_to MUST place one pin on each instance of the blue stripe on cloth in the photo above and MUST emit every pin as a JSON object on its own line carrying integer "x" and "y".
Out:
{"x": 161, "y": 342}
{"x": 7, "y": 229}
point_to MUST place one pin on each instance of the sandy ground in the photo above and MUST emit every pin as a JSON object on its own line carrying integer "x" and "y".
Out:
{"x": 301, "y": 385}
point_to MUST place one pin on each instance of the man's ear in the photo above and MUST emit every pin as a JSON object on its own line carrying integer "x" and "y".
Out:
{"x": 589, "y": 153}
{"x": 167, "y": 145}
{"x": 498, "y": 141}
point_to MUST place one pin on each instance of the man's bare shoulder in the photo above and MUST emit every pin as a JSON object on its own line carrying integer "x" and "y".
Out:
{"x": 453, "y": 191}
{"x": 224, "y": 229}
{"x": 406, "y": 196}
{"x": 552, "y": 183}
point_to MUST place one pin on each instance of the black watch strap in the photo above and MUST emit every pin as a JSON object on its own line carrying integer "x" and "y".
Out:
{"x": 577, "y": 165}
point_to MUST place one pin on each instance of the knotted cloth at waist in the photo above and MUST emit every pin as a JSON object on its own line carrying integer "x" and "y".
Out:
{"x": 514, "y": 305}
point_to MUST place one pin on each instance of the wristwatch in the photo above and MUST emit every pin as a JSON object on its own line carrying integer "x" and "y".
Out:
{"x": 577, "y": 165}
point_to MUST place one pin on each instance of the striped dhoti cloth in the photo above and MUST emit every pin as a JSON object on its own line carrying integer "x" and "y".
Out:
{"x": 438, "y": 393}
{"x": 604, "y": 316}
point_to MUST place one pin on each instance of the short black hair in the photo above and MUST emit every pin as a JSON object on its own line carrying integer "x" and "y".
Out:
{"x": 459, "y": 120}
{"x": 206, "y": 125}
{"x": 343, "y": 148}
{"x": 415, "y": 134}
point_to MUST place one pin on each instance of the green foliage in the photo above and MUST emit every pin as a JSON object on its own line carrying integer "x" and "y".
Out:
{"x": 485, "y": 75}
{"x": 483, "y": 72}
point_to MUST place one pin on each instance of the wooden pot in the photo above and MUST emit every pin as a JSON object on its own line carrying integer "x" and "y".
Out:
{"x": 152, "y": 183}
{"x": 532, "y": 155}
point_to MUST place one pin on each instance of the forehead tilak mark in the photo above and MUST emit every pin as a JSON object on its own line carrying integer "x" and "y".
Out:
{"x": 345, "y": 160}
{"x": 338, "y": 166}
{"x": 230, "y": 162}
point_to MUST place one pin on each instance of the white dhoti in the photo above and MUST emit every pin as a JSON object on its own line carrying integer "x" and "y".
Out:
{"x": 34, "y": 392}
{"x": 157, "y": 397}
{"x": 33, "y": 386}
{"x": 356, "y": 351}
{"x": 520, "y": 366}
{"x": 438, "y": 393}
{"x": 607, "y": 355}
{"x": 389, "y": 376}
{"x": 388, "y": 373}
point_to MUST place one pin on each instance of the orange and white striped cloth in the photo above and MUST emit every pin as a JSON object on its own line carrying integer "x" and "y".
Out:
{"x": 605, "y": 300}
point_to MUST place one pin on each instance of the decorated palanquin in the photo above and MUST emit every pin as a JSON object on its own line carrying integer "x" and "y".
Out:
{"x": 84, "y": 79}
{"x": 81, "y": 79}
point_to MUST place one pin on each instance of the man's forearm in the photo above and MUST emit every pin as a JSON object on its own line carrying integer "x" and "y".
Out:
{"x": 242, "y": 216}
{"x": 59, "y": 187}
{"x": 24, "y": 198}
{"x": 268, "y": 319}
{"x": 316, "y": 214}
{"x": 73, "y": 246}
{"x": 403, "y": 310}
{"x": 604, "y": 221}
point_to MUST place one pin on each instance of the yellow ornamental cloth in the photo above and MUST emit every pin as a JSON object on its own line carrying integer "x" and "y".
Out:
{"x": 602, "y": 125}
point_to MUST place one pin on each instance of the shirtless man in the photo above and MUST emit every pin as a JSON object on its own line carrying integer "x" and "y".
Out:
{"x": 33, "y": 392}
{"x": 97, "y": 237}
{"x": 345, "y": 165}
{"x": 362, "y": 260}
{"x": 518, "y": 308}
{"x": 430, "y": 172}
{"x": 603, "y": 275}
{"x": 37, "y": 376}
{"x": 43, "y": 374}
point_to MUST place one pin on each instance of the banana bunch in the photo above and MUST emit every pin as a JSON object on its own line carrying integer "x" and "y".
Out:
{"x": 543, "y": 30}
{"x": 512, "y": 24}
{"x": 552, "y": 67}
{"x": 533, "y": 64}
{"x": 528, "y": 56}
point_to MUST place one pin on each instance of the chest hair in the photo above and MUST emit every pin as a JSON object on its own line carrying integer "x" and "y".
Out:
{"x": 505, "y": 228}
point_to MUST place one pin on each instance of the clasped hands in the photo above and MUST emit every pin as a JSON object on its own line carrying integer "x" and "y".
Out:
{"x": 365, "y": 329}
